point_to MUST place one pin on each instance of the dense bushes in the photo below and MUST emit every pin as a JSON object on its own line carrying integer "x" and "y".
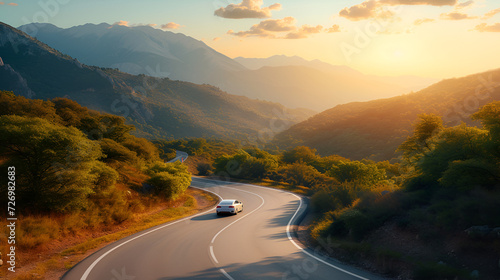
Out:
{"x": 69, "y": 158}
{"x": 169, "y": 179}
{"x": 248, "y": 163}
{"x": 55, "y": 163}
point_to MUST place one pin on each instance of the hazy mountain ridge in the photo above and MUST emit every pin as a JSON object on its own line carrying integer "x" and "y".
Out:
{"x": 160, "y": 107}
{"x": 291, "y": 81}
{"x": 137, "y": 50}
{"x": 376, "y": 128}
{"x": 344, "y": 83}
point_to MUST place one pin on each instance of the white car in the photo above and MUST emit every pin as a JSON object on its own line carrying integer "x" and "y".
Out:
{"x": 231, "y": 206}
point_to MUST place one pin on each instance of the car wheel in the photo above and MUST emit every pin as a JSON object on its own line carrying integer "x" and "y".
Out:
{"x": 218, "y": 214}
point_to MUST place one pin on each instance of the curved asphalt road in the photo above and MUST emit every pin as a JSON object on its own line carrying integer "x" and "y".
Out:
{"x": 255, "y": 244}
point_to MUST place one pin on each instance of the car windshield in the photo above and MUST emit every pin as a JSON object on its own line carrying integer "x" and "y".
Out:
{"x": 226, "y": 203}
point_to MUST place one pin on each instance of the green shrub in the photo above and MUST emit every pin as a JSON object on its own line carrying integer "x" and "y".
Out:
{"x": 168, "y": 185}
{"x": 204, "y": 168}
{"x": 114, "y": 151}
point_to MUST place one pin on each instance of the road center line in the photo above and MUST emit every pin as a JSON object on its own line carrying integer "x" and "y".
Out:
{"x": 212, "y": 254}
{"x": 290, "y": 236}
{"x": 213, "y": 239}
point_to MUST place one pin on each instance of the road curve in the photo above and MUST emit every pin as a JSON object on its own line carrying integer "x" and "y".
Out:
{"x": 255, "y": 244}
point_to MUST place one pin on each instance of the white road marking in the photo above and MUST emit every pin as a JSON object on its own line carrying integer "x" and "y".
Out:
{"x": 309, "y": 254}
{"x": 213, "y": 239}
{"x": 212, "y": 253}
{"x": 294, "y": 243}
{"x": 89, "y": 269}
{"x": 226, "y": 274}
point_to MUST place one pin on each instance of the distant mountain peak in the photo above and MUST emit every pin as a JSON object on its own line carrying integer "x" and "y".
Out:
{"x": 138, "y": 50}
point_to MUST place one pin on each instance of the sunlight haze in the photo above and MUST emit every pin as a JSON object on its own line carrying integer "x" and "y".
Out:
{"x": 374, "y": 36}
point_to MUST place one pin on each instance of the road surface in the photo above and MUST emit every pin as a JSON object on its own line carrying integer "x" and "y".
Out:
{"x": 179, "y": 156}
{"x": 257, "y": 243}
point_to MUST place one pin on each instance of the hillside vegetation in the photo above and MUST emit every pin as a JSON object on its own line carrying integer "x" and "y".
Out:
{"x": 158, "y": 107}
{"x": 432, "y": 215}
{"x": 376, "y": 128}
{"x": 77, "y": 170}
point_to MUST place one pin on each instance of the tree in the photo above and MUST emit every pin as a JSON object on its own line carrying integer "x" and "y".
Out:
{"x": 418, "y": 143}
{"x": 489, "y": 115}
{"x": 300, "y": 153}
{"x": 169, "y": 180}
{"x": 357, "y": 171}
{"x": 249, "y": 163}
{"x": 54, "y": 163}
{"x": 142, "y": 147}
{"x": 114, "y": 151}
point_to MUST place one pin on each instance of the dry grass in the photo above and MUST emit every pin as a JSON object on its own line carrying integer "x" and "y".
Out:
{"x": 51, "y": 245}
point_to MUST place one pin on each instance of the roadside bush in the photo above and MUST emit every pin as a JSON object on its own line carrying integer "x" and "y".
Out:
{"x": 249, "y": 164}
{"x": 300, "y": 174}
{"x": 168, "y": 185}
{"x": 143, "y": 148}
{"x": 204, "y": 168}
{"x": 169, "y": 179}
{"x": 114, "y": 151}
{"x": 105, "y": 176}
{"x": 356, "y": 222}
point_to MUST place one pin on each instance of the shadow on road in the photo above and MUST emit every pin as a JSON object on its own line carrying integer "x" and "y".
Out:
{"x": 269, "y": 268}
{"x": 209, "y": 216}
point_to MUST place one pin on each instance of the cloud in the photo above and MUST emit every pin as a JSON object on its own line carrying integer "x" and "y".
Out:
{"x": 464, "y": 5}
{"x": 247, "y": 9}
{"x": 455, "y": 15}
{"x": 216, "y": 39}
{"x": 2, "y": 3}
{"x": 483, "y": 27}
{"x": 13, "y": 4}
{"x": 492, "y": 13}
{"x": 335, "y": 28}
{"x": 121, "y": 22}
{"x": 268, "y": 27}
{"x": 304, "y": 32}
{"x": 170, "y": 25}
{"x": 420, "y": 2}
{"x": 375, "y": 8}
{"x": 283, "y": 29}
{"x": 423, "y": 20}
{"x": 365, "y": 10}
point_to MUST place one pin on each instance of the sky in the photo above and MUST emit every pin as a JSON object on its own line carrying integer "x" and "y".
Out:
{"x": 428, "y": 38}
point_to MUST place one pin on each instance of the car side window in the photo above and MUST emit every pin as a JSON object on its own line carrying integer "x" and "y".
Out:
{"x": 236, "y": 202}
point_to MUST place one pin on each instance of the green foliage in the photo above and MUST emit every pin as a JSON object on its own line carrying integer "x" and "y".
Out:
{"x": 105, "y": 176}
{"x": 144, "y": 149}
{"x": 335, "y": 197}
{"x": 375, "y": 129}
{"x": 204, "y": 168}
{"x": 357, "y": 171}
{"x": 300, "y": 154}
{"x": 249, "y": 163}
{"x": 169, "y": 179}
{"x": 114, "y": 151}
{"x": 420, "y": 142}
{"x": 300, "y": 174}
{"x": 56, "y": 162}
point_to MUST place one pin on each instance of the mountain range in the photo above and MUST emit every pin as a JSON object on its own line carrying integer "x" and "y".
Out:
{"x": 291, "y": 81}
{"x": 375, "y": 129}
{"x": 159, "y": 107}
